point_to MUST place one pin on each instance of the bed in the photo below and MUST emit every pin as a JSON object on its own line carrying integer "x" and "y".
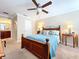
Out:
{"x": 44, "y": 47}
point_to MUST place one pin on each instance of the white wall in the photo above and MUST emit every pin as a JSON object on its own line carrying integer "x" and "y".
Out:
{"x": 24, "y": 26}
{"x": 14, "y": 28}
{"x": 70, "y": 18}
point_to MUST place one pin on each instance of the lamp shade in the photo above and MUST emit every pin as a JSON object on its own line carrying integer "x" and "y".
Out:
{"x": 40, "y": 25}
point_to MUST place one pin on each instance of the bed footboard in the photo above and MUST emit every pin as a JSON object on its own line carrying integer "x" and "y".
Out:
{"x": 41, "y": 50}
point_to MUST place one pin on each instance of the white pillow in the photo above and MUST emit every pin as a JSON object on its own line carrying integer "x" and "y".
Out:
{"x": 55, "y": 32}
{"x": 45, "y": 32}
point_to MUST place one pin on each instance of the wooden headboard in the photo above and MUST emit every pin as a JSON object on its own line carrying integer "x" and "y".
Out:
{"x": 55, "y": 28}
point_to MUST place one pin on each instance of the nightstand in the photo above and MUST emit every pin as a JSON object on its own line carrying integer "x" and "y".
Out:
{"x": 74, "y": 37}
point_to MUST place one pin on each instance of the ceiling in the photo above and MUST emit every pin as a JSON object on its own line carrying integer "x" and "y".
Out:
{"x": 20, "y": 6}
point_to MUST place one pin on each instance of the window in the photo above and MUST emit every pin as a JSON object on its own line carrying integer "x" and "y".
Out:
{"x": 2, "y": 26}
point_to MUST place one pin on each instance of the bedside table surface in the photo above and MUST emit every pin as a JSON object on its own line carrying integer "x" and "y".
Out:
{"x": 67, "y": 34}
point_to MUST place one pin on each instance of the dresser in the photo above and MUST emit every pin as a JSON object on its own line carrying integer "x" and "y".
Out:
{"x": 4, "y": 35}
{"x": 1, "y": 50}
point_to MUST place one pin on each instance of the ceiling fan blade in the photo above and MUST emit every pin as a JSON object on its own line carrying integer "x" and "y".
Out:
{"x": 49, "y": 3}
{"x": 32, "y": 9}
{"x": 5, "y": 12}
{"x": 45, "y": 11}
{"x": 34, "y": 1}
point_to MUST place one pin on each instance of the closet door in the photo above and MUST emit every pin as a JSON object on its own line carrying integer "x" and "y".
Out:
{"x": 28, "y": 27}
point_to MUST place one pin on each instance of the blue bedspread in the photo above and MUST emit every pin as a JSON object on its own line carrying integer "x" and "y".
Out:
{"x": 53, "y": 40}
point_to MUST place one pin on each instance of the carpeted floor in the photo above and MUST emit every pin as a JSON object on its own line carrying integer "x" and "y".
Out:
{"x": 67, "y": 52}
{"x": 13, "y": 51}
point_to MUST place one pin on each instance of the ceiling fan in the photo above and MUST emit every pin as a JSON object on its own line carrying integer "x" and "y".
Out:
{"x": 5, "y": 15}
{"x": 38, "y": 7}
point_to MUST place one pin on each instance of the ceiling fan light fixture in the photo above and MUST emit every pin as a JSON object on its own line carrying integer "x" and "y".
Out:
{"x": 39, "y": 9}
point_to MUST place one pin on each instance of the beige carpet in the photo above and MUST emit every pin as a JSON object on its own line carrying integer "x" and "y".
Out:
{"x": 13, "y": 51}
{"x": 67, "y": 52}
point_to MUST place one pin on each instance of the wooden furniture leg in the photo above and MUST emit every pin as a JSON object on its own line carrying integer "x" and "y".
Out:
{"x": 66, "y": 41}
{"x": 1, "y": 50}
{"x": 77, "y": 41}
{"x": 62, "y": 39}
{"x": 4, "y": 43}
{"x": 73, "y": 43}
